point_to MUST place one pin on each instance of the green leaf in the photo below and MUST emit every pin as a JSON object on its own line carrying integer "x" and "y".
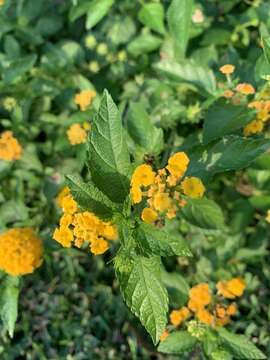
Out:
{"x": 18, "y": 67}
{"x": 145, "y": 294}
{"x": 204, "y": 213}
{"x": 221, "y": 354}
{"x": 142, "y": 131}
{"x": 177, "y": 342}
{"x": 9, "y": 295}
{"x": 152, "y": 15}
{"x": 262, "y": 68}
{"x": 223, "y": 118}
{"x": 265, "y": 42}
{"x": 143, "y": 44}
{"x": 89, "y": 197}
{"x": 240, "y": 346}
{"x": 96, "y": 12}
{"x": 157, "y": 241}
{"x": 12, "y": 47}
{"x": 179, "y": 21}
{"x": 79, "y": 10}
{"x": 178, "y": 288}
{"x": 109, "y": 161}
{"x": 205, "y": 161}
{"x": 190, "y": 72}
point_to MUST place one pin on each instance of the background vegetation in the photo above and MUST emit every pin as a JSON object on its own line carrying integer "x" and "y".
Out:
{"x": 71, "y": 307}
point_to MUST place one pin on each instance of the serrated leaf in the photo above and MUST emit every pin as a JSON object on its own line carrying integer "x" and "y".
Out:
{"x": 190, "y": 72}
{"x": 18, "y": 67}
{"x": 204, "y": 213}
{"x": 231, "y": 153}
{"x": 179, "y": 21}
{"x": 9, "y": 295}
{"x": 96, "y": 12}
{"x": 109, "y": 161}
{"x": 223, "y": 118}
{"x": 140, "y": 128}
{"x": 177, "y": 342}
{"x": 89, "y": 197}
{"x": 144, "y": 43}
{"x": 239, "y": 345}
{"x": 160, "y": 242}
{"x": 152, "y": 15}
{"x": 145, "y": 294}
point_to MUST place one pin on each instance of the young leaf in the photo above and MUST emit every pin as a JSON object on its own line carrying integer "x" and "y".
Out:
{"x": 224, "y": 118}
{"x": 179, "y": 21}
{"x": 9, "y": 303}
{"x": 177, "y": 342}
{"x": 190, "y": 72}
{"x": 152, "y": 15}
{"x": 96, "y": 11}
{"x": 144, "y": 43}
{"x": 145, "y": 294}
{"x": 142, "y": 131}
{"x": 89, "y": 197}
{"x": 157, "y": 241}
{"x": 109, "y": 161}
{"x": 204, "y": 213}
{"x": 240, "y": 346}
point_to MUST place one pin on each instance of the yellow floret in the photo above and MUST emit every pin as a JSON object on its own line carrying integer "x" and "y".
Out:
{"x": 177, "y": 164}
{"x": 193, "y": 187}
{"x": 76, "y": 134}
{"x": 149, "y": 215}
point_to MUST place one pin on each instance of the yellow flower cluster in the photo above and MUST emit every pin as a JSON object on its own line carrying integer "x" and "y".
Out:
{"x": 20, "y": 251}
{"x": 78, "y": 227}
{"x": 163, "y": 189}
{"x": 257, "y": 125}
{"x": 10, "y": 149}
{"x": 77, "y": 134}
{"x": 261, "y": 106}
{"x": 206, "y": 309}
{"x": 84, "y": 98}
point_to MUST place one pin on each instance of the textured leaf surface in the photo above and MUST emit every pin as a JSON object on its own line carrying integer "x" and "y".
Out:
{"x": 109, "y": 161}
{"x": 189, "y": 72}
{"x": 89, "y": 197}
{"x": 224, "y": 118}
{"x": 179, "y": 21}
{"x": 240, "y": 346}
{"x": 177, "y": 342}
{"x": 145, "y": 294}
{"x": 204, "y": 213}
{"x": 9, "y": 294}
{"x": 157, "y": 241}
{"x": 152, "y": 15}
